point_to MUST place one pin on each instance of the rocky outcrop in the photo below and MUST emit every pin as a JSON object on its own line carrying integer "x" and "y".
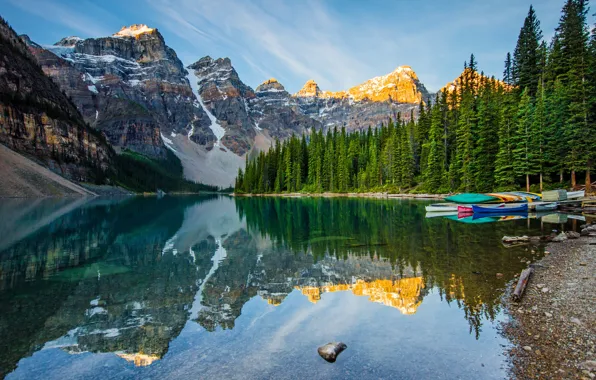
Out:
{"x": 38, "y": 120}
{"x": 226, "y": 97}
{"x": 130, "y": 126}
{"x": 130, "y": 85}
{"x": 133, "y": 87}
{"x": 276, "y": 111}
{"x": 368, "y": 104}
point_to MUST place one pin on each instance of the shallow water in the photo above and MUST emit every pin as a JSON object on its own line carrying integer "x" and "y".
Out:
{"x": 217, "y": 287}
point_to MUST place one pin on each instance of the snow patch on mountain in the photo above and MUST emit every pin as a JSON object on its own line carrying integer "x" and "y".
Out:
{"x": 168, "y": 143}
{"x": 217, "y": 129}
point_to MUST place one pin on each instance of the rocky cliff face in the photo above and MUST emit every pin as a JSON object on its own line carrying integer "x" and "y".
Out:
{"x": 226, "y": 97}
{"x": 130, "y": 85}
{"x": 368, "y": 104}
{"x": 133, "y": 87}
{"x": 249, "y": 118}
{"x": 38, "y": 120}
{"x": 276, "y": 111}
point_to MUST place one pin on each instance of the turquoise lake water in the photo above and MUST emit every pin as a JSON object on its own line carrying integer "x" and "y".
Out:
{"x": 248, "y": 288}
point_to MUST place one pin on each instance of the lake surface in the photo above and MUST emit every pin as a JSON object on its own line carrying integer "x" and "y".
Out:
{"x": 218, "y": 287}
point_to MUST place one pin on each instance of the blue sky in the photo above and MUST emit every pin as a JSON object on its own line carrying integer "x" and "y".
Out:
{"x": 338, "y": 43}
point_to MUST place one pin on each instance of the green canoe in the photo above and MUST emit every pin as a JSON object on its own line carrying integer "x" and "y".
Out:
{"x": 471, "y": 198}
{"x": 471, "y": 220}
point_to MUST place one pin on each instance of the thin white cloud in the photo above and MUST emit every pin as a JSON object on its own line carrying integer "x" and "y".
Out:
{"x": 303, "y": 39}
{"x": 310, "y": 39}
{"x": 85, "y": 23}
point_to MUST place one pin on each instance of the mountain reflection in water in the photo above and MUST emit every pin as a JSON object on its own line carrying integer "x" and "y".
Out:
{"x": 144, "y": 279}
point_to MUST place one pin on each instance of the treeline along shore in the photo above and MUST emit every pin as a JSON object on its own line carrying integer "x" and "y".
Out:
{"x": 532, "y": 129}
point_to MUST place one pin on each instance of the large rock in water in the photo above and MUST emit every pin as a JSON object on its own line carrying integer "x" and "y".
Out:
{"x": 330, "y": 351}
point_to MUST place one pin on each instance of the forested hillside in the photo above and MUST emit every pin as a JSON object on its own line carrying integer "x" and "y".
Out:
{"x": 532, "y": 129}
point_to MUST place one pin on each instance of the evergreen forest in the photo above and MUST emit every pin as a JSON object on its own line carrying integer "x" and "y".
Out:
{"x": 532, "y": 129}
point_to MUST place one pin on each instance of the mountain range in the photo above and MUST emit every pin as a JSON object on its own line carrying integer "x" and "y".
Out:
{"x": 134, "y": 89}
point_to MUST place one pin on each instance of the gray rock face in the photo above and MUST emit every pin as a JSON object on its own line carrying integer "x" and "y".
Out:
{"x": 368, "y": 104}
{"x": 38, "y": 120}
{"x": 131, "y": 85}
{"x": 275, "y": 110}
{"x": 129, "y": 126}
{"x": 226, "y": 97}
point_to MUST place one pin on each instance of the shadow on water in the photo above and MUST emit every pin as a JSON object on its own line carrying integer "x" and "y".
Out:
{"x": 146, "y": 277}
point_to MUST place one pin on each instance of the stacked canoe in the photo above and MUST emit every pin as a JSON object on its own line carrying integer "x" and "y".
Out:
{"x": 506, "y": 203}
{"x": 507, "y": 197}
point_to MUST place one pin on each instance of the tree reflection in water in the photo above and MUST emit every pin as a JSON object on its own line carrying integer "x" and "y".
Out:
{"x": 126, "y": 276}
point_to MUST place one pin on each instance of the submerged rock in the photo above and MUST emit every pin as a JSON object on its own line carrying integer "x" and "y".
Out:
{"x": 516, "y": 239}
{"x": 330, "y": 351}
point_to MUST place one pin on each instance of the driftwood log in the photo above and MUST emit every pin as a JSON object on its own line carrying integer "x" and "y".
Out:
{"x": 524, "y": 277}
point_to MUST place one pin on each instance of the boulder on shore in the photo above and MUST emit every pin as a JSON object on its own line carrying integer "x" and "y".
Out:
{"x": 560, "y": 237}
{"x": 572, "y": 234}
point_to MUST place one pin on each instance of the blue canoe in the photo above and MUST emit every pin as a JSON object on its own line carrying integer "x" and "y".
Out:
{"x": 502, "y": 209}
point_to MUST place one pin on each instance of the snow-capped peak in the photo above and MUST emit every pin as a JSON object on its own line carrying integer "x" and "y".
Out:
{"x": 133, "y": 30}
{"x": 68, "y": 41}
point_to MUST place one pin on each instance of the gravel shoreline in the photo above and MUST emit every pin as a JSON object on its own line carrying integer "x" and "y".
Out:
{"x": 553, "y": 327}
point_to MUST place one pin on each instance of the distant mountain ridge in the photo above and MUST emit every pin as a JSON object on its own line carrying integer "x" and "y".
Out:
{"x": 134, "y": 88}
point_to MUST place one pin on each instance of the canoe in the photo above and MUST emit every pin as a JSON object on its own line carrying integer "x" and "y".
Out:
{"x": 471, "y": 220}
{"x": 441, "y": 207}
{"x": 525, "y": 194}
{"x": 468, "y": 198}
{"x": 575, "y": 194}
{"x": 546, "y": 207}
{"x": 503, "y": 209}
{"x": 437, "y": 214}
{"x": 464, "y": 209}
{"x": 506, "y": 218}
{"x": 508, "y": 197}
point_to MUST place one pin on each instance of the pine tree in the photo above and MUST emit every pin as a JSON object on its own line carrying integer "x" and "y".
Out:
{"x": 526, "y": 57}
{"x": 407, "y": 160}
{"x": 525, "y": 159}
{"x": 343, "y": 172}
{"x": 572, "y": 66}
{"x": 486, "y": 146}
{"x": 504, "y": 173}
{"x": 433, "y": 171}
{"x": 507, "y": 74}
{"x": 466, "y": 126}
{"x": 475, "y": 137}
